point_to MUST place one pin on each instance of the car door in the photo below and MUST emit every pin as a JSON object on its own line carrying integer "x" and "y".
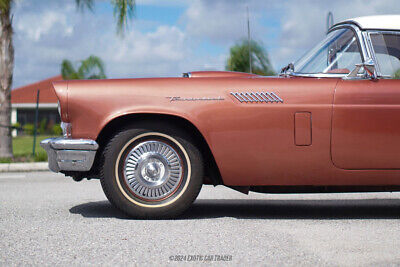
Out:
{"x": 366, "y": 113}
{"x": 279, "y": 138}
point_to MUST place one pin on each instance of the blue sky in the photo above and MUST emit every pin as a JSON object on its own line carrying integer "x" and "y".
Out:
{"x": 167, "y": 38}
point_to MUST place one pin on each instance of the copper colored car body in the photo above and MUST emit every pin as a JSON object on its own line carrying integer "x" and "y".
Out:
{"x": 298, "y": 132}
{"x": 338, "y": 142}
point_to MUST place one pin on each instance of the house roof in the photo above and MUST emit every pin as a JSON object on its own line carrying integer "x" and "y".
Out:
{"x": 28, "y": 93}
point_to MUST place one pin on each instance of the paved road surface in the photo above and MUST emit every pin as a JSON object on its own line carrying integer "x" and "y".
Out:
{"x": 46, "y": 219}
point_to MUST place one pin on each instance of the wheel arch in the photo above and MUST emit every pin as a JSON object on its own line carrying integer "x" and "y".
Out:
{"x": 211, "y": 170}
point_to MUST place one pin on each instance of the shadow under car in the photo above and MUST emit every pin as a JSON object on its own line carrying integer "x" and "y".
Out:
{"x": 266, "y": 209}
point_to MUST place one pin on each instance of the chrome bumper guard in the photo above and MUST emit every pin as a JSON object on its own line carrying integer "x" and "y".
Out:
{"x": 70, "y": 154}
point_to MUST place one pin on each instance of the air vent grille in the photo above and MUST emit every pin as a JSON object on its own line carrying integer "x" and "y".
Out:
{"x": 257, "y": 97}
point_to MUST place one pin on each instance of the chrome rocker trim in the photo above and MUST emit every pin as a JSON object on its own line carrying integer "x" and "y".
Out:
{"x": 70, "y": 154}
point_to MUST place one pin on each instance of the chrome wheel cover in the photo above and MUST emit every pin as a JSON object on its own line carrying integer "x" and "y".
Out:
{"x": 153, "y": 170}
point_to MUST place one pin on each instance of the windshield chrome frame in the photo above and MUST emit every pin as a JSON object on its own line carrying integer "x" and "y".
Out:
{"x": 365, "y": 52}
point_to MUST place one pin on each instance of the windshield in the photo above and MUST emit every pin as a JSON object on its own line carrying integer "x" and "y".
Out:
{"x": 337, "y": 53}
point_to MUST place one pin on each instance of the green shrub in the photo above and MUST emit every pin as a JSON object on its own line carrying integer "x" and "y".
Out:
{"x": 40, "y": 156}
{"x": 16, "y": 125}
{"x": 5, "y": 160}
{"x": 57, "y": 129}
{"x": 29, "y": 128}
{"x": 42, "y": 129}
{"x": 397, "y": 74}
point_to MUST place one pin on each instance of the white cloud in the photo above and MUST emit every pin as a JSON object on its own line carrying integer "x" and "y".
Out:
{"x": 34, "y": 26}
{"x": 217, "y": 20}
{"x": 224, "y": 21}
{"x": 142, "y": 54}
{"x": 163, "y": 2}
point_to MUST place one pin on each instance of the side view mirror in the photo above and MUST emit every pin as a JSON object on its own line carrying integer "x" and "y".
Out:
{"x": 369, "y": 66}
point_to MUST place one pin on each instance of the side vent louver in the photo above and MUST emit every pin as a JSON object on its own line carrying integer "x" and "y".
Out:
{"x": 257, "y": 97}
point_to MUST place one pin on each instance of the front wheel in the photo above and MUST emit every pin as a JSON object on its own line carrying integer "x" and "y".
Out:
{"x": 152, "y": 173}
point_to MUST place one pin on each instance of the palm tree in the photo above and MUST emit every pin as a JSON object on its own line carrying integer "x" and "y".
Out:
{"x": 239, "y": 59}
{"x": 90, "y": 68}
{"x": 6, "y": 76}
{"x": 123, "y": 13}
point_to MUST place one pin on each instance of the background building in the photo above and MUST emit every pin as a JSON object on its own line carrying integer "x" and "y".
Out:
{"x": 23, "y": 103}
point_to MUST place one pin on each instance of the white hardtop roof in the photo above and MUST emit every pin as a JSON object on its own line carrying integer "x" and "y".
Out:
{"x": 381, "y": 22}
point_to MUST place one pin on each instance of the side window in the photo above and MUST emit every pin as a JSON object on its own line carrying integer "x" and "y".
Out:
{"x": 387, "y": 52}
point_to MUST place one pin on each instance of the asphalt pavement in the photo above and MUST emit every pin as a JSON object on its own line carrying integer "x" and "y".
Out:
{"x": 46, "y": 219}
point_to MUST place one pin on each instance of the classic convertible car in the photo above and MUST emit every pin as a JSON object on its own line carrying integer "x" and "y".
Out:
{"x": 328, "y": 123}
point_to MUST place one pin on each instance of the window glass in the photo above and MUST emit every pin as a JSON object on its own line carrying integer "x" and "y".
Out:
{"x": 387, "y": 52}
{"x": 338, "y": 53}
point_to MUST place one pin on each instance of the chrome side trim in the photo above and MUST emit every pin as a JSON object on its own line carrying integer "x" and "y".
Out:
{"x": 70, "y": 154}
{"x": 257, "y": 97}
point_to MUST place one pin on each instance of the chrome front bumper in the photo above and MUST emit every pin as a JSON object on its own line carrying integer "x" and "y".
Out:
{"x": 70, "y": 154}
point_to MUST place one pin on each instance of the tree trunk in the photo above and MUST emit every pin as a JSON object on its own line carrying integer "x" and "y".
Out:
{"x": 6, "y": 75}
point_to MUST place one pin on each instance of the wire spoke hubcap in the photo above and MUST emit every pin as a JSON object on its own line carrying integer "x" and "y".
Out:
{"x": 153, "y": 170}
